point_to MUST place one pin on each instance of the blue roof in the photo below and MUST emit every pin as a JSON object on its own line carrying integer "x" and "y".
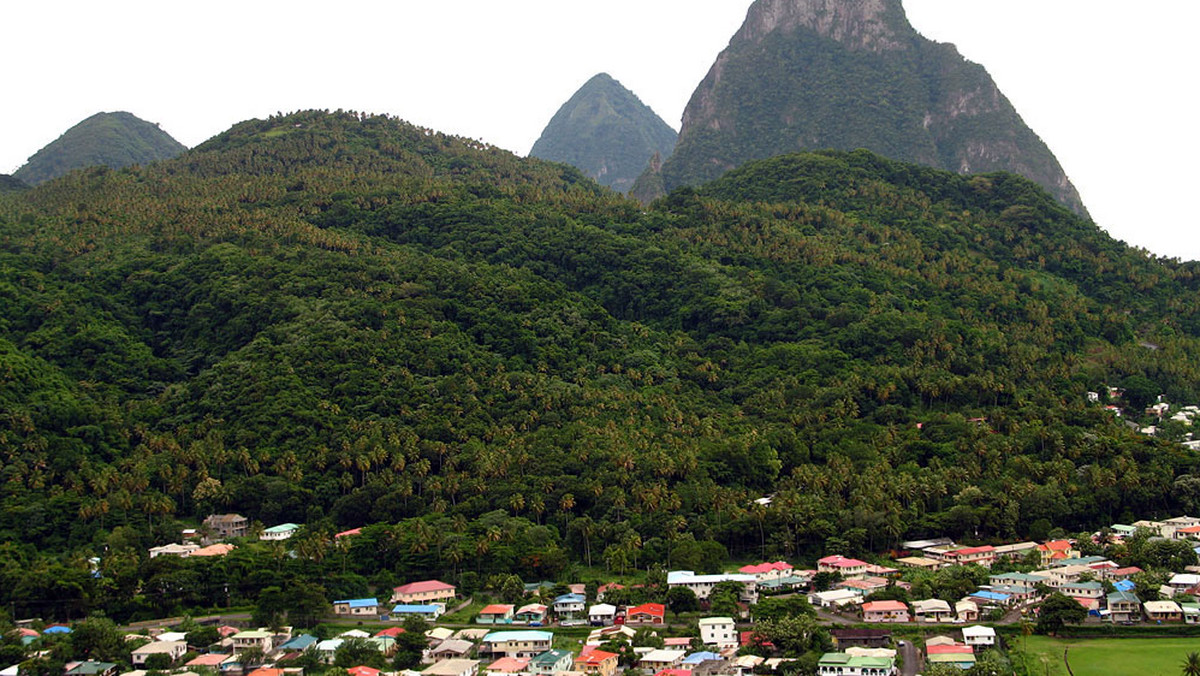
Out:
{"x": 358, "y": 603}
{"x": 990, "y": 596}
{"x": 1124, "y": 585}
{"x": 57, "y": 629}
{"x": 411, "y": 608}
{"x": 301, "y": 642}
{"x": 570, "y": 598}
{"x": 703, "y": 656}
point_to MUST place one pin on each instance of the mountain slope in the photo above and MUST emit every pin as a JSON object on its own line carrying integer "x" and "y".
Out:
{"x": 345, "y": 320}
{"x": 10, "y": 184}
{"x": 607, "y": 132}
{"x": 845, "y": 74}
{"x": 105, "y": 139}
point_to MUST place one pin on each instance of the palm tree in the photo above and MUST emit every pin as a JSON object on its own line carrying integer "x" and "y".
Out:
{"x": 1191, "y": 665}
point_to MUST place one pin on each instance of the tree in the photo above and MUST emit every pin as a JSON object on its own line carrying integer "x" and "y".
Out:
{"x": 1058, "y": 611}
{"x": 682, "y": 600}
{"x": 268, "y": 612}
{"x": 158, "y": 662}
{"x": 1191, "y": 664}
{"x": 356, "y": 652}
{"x": 99, "y": 638}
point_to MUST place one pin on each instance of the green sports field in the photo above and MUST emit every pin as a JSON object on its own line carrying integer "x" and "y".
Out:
{"x": 1106, "y": 657}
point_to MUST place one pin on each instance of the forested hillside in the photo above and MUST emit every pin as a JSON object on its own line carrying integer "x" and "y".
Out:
{"x": 343, "y": 320}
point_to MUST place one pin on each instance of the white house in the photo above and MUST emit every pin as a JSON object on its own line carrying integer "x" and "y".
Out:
{"x": 281, "y": 532}
{"x": 172, "y": 649}
{"x": 602, "y": 614}
{"x": 719, "y": 631}
{"x": 702, "y": 585}
{"x": 979, "y": 636}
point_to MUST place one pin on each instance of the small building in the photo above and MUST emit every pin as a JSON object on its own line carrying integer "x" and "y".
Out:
{"x": 932, "y": 610}
{"x": 281, "y": 532}
{"x": 719, "y": 631}
{"x": 92, "y": 668}
{"x": 426, "y": 591}
{"x": 647, "y": 613}
{"x": 496, "y": 613}
{"x": 702, "y": 585}
{"x": 429, "y": 611}
{"x": 532, "y": 613}
{"x": 1163, "y": 611}
{"x": 597, "y": 663}
{"x": 657, "y": 660}
{"x": 226, "y": 526}
{"x": 248, "y": 640}
{"x": 172, "y": 649}
{"x": 507, "y": 665}
{"x": 183, "y": 551}
{"x": 356, "y": 607}
{"x": 847, "y": 568}
{"x": 768, "y": 571}
{"x": 450, "y": 649}
{"x": 569, "y": 606}
{"x": 835, "y": 598}
{"x": 452, "y": 668}
{"x": 921, "y": 562}
{"x": 602, "y": 614}
{"x": 1124, "y": 607}
{"x": 521, "y": 643}
{"x": 843, "y": 664}
{"x": 550, "y": 662}
{"x": 861, "y": 638}
{"x": 885, "y": 611}
{"x": 979, "y": 636}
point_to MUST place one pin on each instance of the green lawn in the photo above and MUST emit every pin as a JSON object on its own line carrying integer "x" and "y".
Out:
{"x": 1106, "y": 657}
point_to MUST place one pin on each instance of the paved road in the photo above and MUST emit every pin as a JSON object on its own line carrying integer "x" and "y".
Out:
{"x": 912, "y": 658}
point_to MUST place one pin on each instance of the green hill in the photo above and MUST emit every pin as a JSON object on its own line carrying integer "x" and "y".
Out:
{"x": 105, "y": 139}
{"x": 847, "y": 74}
{"x": 605, "y": 131}
{"x": 10, "y": 184}
{"x": 496, "y": 366}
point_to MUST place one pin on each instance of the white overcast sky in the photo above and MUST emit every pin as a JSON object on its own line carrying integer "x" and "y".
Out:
{"x": 1109, "y": 85}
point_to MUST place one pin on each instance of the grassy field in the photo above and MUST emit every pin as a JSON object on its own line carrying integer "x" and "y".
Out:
{"x": 1106, "y": 657}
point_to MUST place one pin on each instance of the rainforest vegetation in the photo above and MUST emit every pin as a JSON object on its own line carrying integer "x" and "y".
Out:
{"x": 497, "y": 366}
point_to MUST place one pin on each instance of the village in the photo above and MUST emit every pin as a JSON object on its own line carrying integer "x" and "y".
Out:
{"x": 573, "y": 628}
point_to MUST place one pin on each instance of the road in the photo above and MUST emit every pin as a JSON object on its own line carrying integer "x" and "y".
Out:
{"x": 912, "y": 658}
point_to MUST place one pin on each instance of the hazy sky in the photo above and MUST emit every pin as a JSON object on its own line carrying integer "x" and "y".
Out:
{"x": 1110, "y": 86}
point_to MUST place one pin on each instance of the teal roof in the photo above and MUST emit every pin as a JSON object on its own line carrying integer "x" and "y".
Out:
{"x": 1123, "y": 597}
{"x": 281, "y": 528}
{"x": 550, "y": 657}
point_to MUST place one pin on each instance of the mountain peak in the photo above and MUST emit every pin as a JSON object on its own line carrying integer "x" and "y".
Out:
{"x": 859, "y": 24}
{"x": 847, "y": 74}
{"x": 607, "y": 132}
{"x": 110, "y": 139}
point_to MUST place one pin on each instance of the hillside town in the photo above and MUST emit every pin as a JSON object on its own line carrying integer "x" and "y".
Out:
{"x": 698, "y": 625}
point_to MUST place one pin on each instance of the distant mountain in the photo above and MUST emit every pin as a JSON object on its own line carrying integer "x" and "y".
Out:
{"x": 607, "y": 132}
{"x": 111, "y": 139}
{"x": 846, "y": 74}
{"x": 10, "y": 184}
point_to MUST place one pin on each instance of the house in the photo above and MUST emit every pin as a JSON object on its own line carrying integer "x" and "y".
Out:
{"x": 429, "y": 611}
{"x": 531, "y": 613}
{"x": 921, "y": 562}
{"x": 768, "y": 571}
{"x": 835, "y": 598}
{"x": 1018, "y": 550}
{"x": 657, "y": 660}
{"x": 426, "y": 591}
{"x": 281, "y": 532}
{"x": 299, "y": 643}
{"x": 172, "y": 649}
{"x": 352, "y": 671}
{"x": 1181, "y": 582}
{"x": 719, "y": 631}
{"x": 1191, "y": 612}
{"x": 647, "y": 613}
{"x": 356, "y": 607}
{"x": 1082, "y": 590}
{"x": 92, "y": 668}
{"x": 979, "y": 636}
{"x": 452, "y": 668}
{"x": 507, "y": 665}
{"x": 496, "y": 613}
{"x": 618, "y": 632}
{"x": 984, "y": 598}
{"x": 449, "y": 649}
{"x": 569, "y": 606}
{"x": 847, "y": 568}
{"x": 956, "y": 655}
{"x": 865, "y": 585}
{"x": 981, "y": 556}
{"x": 693, "y": 663}
{"x": 602, "y": 614}
{"x": 207, "y": 661}
{"x": 550, "y": 662}
{"x": 597, "y": 663}
{"x": 1056, "y": 550}
{"x": 218, "y": 549}
{"x": 1116, "y": 574}
{"x": 843, "y": 664}
{"x": 248, "y": 640}
{"x": 182, "y": 551}
{"x": 521, "y": 643}
{"x": 1124, "y": 607}
{"x": 885, "y": 611}
{"x": 861, "y": 638}
{"x": 702, "y": 585}
{"x": 1162, "y": 611}
{"x": 1022, "y": 580}
{"x": 932, "y": 610}
{"x": 226, "y": 526}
